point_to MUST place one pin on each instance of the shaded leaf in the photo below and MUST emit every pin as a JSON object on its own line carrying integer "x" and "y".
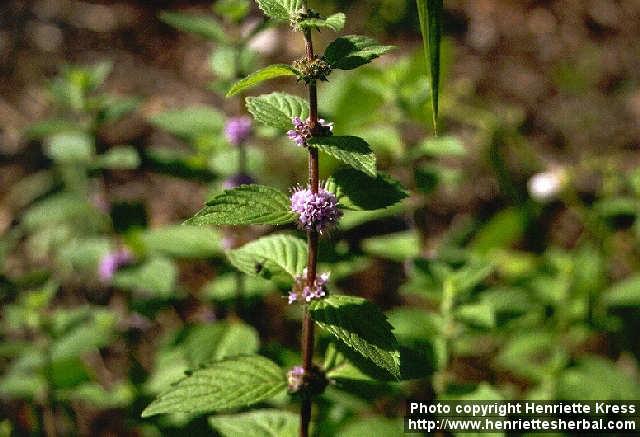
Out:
{"x": 440, "y": 146}
{"x": 190, "y": 122}
{"x": 201, "y": 25}
{"x": 383, "y": 427}
{"x": 360, "y": 325}
{"x": 381, "y": 191}
{"x": 623, "y": 293}
{"x": 156, "y": 277}
{"x": 397, "y": 247}
{"x": 225, "y": 288}
{"x": 277, "y": 109}
{"x": 255, "y": 78}
{"x": 596, "y": 378}
{"x": 353, "y": 151}
{"x": 182, "y": 241}
{"x": 352, "y": 51}
{"x": 206, "y": 344}
{"x": 246, "y": 205}
{"x": 119, "y": 158}
{"x": 227, "y": 384}
{"x": 257, "y": 423}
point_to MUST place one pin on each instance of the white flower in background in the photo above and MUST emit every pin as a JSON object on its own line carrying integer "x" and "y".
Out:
{"x": 265, "y": 42}
{"x": 547, "y": 185}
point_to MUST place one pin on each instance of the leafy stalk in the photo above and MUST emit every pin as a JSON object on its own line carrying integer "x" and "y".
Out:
{"x": 430, "y": 15}
{"x": 312, "y": 241}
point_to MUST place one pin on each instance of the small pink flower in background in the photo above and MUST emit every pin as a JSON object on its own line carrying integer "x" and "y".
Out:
{"x": 237, "y": 130}
{"x": 111, "y": 262}
{"x": 237, "y": 180}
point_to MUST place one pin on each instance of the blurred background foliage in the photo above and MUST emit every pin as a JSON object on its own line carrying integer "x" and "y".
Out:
{"x": 512, "y": 269}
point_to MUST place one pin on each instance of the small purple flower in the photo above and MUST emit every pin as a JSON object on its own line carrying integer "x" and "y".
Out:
{"x": 301, "y": 132}
{"x": 229, "y": 242}
{"x": 237, "y": 180}
{"x": 302, "y": 292}
{"x": 295, "y": 378}
{"x": 111, "y": 262}
{"x": 237, "y": 130}
{"x": 317, "y": 211}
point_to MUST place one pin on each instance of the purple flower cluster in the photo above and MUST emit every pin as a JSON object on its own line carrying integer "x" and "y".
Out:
{"x": 111, "y": 262}
{"x": 301, "y": 132}
{"x": 317, "y": 211}
{"x": 302, "y": 292}
{"x": 295, "y": 378}
{"x": 237, "y": 180}
{"x": 237, "y": 130}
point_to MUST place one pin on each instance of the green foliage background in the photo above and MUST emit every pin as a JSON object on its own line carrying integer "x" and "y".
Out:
{"x": 112, "y": 133}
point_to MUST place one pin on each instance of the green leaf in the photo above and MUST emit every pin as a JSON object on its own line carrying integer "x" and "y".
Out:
{"x": 214, "y": 342}
{"x": 352, "y": 51}
{"x": 91, "y": 393}
{"x": 246, "y": 205}
{"x": 234, "y": 10}
{"x": 272, "y": 423}
{"x": 396, "y": 247}
{"x": 201, "y": 25}
{"x": 623, "y": 293}
{"x": 71, "y": 147}
{"x": 266, "y": 73}
{"x": 334, "y": 22}
{"x": 279, "y": 257}
{"x": 49, "y": 127}
{"x": 228, "y": 384}
{"x": 430, "y": 15}
{"x": 224, "y": 288}
{"x": 190, "y": 122}
{"x": 280, "y": 9}
{"x": 360, "y": 325}
{"x": 156, "y": 277}
{"x": 502, "y": 230}
{"x": 226, "y": 61}
{"x": 83, "y": 254}
{"x": 440, "y": 146}
{"x": 277, "y": 109}
{"x": 596, "y": 378}
{"x": 94, "y": 333}
{"x": 353, "y": 151}
{"x": 119, "y": 158}
{"x": 182, "y": 241}
{"x": 480, "y": 314}
{"x": 533, "y": 355}
{"x": 381, "y": 191}
{"x": 374, "y": 425}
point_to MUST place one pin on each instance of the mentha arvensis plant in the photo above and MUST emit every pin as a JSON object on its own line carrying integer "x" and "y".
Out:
{"x": 315, "y": 207}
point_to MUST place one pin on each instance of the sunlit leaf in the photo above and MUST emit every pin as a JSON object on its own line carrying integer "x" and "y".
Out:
{"x": 232, "y": 383}
{"x": 246, "y": 205}
{"x": 257, "y": 77}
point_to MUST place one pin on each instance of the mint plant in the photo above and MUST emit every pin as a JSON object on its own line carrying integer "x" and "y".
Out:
{"x": 358, "y": 327}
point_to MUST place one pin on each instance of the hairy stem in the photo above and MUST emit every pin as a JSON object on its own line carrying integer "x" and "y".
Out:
{"x": 312, "y": 240}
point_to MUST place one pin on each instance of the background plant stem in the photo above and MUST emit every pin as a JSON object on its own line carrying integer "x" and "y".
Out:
{"x": 312, "y": 241}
